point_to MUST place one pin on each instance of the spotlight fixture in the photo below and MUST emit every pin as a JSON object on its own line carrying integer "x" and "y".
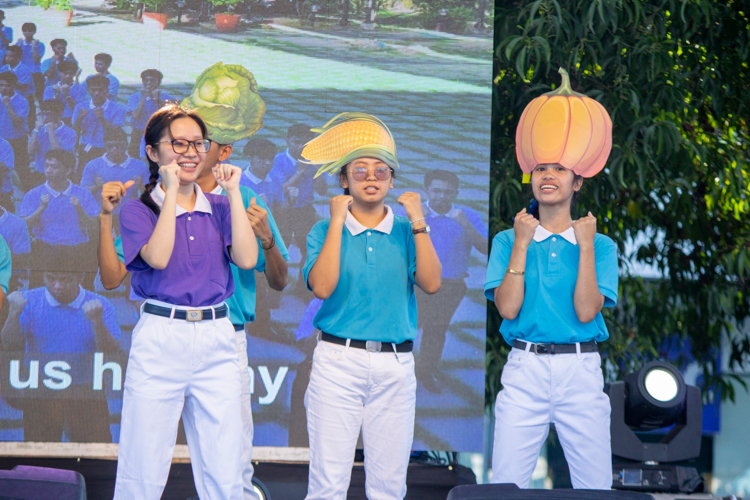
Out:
{"x": 655, "y": 397}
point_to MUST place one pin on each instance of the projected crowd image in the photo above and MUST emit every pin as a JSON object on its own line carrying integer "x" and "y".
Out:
{"x": 75, "y": 100}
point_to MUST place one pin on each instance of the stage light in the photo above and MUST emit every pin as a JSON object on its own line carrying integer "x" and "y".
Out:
{"x": 655, "y": 397}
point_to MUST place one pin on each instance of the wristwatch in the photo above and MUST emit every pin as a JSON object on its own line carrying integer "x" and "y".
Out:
{"x": 425, "y": 229}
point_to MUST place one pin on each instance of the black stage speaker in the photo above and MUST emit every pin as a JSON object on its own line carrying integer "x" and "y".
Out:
{"x": 41, "y": 483}
{"x": 513, "y": 492}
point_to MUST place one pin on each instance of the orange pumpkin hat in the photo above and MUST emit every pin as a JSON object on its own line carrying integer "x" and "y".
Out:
{"x": 567, "y": 128}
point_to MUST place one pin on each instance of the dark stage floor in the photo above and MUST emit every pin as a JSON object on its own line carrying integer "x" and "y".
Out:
{"x": 285, "y": 481}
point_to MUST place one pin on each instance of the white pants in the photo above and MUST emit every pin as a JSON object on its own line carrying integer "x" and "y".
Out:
{"x": 352, "y": 389}
{"x": 564, "y": 389}
{"x": 174, "y": 365}
{"x": 247, "y": 432}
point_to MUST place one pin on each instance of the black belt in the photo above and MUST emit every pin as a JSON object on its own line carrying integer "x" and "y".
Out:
{"x": 186, "y": 314}
{"x": 369, "y": 345}
{"x": 589, "y": 346}
{"x": 238, "y": 328}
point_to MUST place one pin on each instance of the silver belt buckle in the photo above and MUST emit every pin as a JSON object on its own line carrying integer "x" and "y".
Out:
{"x": 194, "y": 315}
{"x": 373, "y": 346}
{"x": 536, "y": 348}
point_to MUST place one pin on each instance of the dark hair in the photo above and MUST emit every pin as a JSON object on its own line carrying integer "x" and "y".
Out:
{"x": 14, "y": 49}
{"x": 342, "y": 174}
{"x": 67, "y": 158}
{"x": 257, "y": 146}
{"x": 157, "y": 125}
{"x": 28, "y": 27}
{"x": 534, "y": 205}
{"x": 9, "y": 77}
{"x": 105, "y": 58}
{"x": 58, "y": 41}
{"x": 52, "y": 105}
{"x": 97, "y": 81}
{"x": 152, "y": 72}
{"x": 301, "y": 130}
{"x": 115, "y": 134}
{"x": 440, "y": 175}
{"x": 68, "y": 67}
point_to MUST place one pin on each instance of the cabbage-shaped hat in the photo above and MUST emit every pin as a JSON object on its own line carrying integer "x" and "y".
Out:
{"x": 349, "y": 136}
{"x": 567, "y": 128}
{"x": 226, "y": 97}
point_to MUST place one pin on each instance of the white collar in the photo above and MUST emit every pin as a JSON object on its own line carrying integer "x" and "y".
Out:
{"x": 76, "y": 304}
{"x": 542, "y": 234}
{"x": 295, "y": 160}
{"x": 55, "y": 194}
{"x": 103, "y": 106}
{"x": 384, "y": 226}
{"x": 113, "y": 164}
{"x": 253, "y": 178}
{"x": 217, "y": 190}
{"x": 201, "y": 202}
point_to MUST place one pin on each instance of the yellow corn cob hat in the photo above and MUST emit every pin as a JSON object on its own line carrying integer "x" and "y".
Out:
{"x": 349, "y": 136}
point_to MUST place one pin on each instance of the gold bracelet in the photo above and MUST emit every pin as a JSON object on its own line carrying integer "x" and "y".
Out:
{"x": 513, "y": 271}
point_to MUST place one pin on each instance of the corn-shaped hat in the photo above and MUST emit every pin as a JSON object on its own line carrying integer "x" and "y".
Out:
{"x": 347, "y": 137}
{"x": 567, "y": 128}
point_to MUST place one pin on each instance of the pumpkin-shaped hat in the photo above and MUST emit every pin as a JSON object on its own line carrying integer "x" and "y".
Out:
{"x": 567, "y": 128}
{"x": 349, "y": 136}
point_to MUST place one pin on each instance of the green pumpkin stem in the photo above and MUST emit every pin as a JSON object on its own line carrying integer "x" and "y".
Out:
{"x": 564, "y": 89}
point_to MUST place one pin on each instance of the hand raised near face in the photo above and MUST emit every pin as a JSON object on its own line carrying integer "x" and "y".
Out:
{"x": 524, "y": 227}
{"x": 585, "y": 230}
{"x": 339, "y": 206}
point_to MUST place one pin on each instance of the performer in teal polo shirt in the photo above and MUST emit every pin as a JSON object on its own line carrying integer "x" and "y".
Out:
{"x": 550, "y": 276}
{"x": 363, "y": 263}
{"x": 5, "y": 270}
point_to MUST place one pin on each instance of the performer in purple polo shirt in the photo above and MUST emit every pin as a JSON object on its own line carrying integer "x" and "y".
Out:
{"x": 178, "y": 244}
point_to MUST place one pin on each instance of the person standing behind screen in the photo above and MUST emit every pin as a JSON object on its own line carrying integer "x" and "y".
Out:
{"x": 6, "y": 35}
{"x": 53, "y": 133}
{"x": 183, "y": 355}
{"x": 363, "y": 263}
{"x": 115, "y": 165}
{"x": 62, "y": 320}
{"x": 14, "y": 110}
{"x": 9, "y": 181}
{"x": 142, "y": 104}
{"x": 60, "y": 213}
{"x": 456, "y": 229}
{"x": 550, "y": 276}
{"x": 49, "y": 66}
{"x": 66, "y": 90}
{"x": 33, "y": 52}
{"x": 297, "y": 214}
{"x": 93, "y": 117}
{"x": 102, "y": 62}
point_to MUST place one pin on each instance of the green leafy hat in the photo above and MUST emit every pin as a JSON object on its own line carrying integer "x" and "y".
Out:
{"x": 226, "y": 97}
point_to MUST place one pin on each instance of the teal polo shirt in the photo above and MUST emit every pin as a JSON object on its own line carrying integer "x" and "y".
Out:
{"x": 242, "y": 303}
{"x": 374, "y": 298}
{"x": 5, "y": 266}
{"x": 548, "y": 313}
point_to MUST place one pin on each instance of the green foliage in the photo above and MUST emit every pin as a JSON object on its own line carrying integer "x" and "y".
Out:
{"x": 54, "y": 4}
{"x": 673, "y": 75}
{"x": 225, "y": 5}
{"x": 458, "y": 14}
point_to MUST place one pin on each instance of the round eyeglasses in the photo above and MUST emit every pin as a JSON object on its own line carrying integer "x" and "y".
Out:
{"x": 181, "y": 146}
{"x": 381, "y": 173}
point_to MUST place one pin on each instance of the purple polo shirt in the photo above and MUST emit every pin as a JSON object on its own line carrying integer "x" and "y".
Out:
{"x": 198, "y": 273}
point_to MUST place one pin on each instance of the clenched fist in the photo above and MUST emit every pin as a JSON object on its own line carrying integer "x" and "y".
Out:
{"x": 585, "y": 231}
{"x": 93, "y": 309}
{"x": 340, "y": 207}
{"x": 412, "y": 204}
{"x": 112, "y": 193}
{"x": 524, "y": 227}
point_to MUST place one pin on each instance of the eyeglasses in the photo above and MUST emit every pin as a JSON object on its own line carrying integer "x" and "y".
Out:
{"x": 181, "y": 146}
{"x": 381, "y": 173}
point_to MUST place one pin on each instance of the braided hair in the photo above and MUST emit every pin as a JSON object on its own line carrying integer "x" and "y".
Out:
{"x": 158, "y": 128}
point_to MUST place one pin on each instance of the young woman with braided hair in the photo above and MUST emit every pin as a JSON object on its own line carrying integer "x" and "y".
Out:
{"x": 178, "y": 244}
